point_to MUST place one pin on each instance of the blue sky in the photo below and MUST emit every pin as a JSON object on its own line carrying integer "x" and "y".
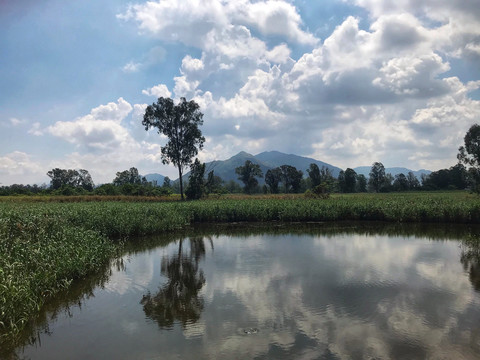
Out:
{"x": 348, "y": 82}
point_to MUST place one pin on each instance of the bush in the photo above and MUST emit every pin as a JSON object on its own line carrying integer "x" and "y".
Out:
{"x": 319, "y": 192}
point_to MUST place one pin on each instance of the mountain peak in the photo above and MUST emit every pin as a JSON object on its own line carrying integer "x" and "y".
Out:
{"x": 243, "y": 154}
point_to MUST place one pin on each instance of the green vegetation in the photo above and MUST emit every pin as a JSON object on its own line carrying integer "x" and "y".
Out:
{"x": 41, "y": 254}
{"x": 44, "y": 246}
{"x": 180, "y": 124}
{"x": 248, "y": 174}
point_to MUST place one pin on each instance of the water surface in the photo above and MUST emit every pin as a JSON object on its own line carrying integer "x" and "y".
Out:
{"x": 346, "y": 292}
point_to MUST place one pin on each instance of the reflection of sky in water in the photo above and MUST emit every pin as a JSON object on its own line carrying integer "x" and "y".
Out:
{"x": 335, "y": 297}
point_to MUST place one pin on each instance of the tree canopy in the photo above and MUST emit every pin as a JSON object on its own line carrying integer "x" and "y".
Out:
{"x": 180, "y": 124}
{"x": 469, "y": 154}
{"x": 314, "y": 174}
{"x": 248, "y": 174}
{"x": 272, "y": 178}
{"x": 130, "y": 176}
{"x": 196, "y": 184}
{"x": 291, "y": 178}
{"x": 70, "y": 177}
{"x": 377, "y": 177}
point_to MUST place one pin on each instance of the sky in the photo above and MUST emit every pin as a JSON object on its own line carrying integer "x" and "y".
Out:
{"x": 347, "y": 82}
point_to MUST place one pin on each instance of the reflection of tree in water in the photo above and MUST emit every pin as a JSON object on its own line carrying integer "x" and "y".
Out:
{"x": 179, "y": 298}
{"x": 470, "y": 259}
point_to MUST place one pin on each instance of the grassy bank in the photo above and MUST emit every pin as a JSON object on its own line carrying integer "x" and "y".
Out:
{"x": 44, "y": 246}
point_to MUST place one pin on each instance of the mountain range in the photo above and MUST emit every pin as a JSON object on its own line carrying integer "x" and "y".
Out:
{"x": 272, "y": 159}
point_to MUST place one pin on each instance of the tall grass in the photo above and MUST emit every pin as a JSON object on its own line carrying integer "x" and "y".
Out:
{"x": 44, "y": 246}
{"x": 406, "y": 207}
{"x": 41, "y": 254}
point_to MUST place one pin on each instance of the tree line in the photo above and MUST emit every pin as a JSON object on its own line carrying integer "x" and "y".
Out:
{"x": 180, "y": 124}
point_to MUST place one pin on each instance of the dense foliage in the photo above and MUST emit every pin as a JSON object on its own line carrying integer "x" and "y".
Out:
{"x": 196, "y": 182}
{"x": 180, "y": 124}
{"x": 248, "y": 174}
{"x": 70, "y": 178}
{"x": 469, "y": 154}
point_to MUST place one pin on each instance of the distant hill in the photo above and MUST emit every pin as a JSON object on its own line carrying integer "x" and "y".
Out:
{"x": 365, "y": 170}
{"x": 267, "y": 160}
{"x": 155, "y": 177}
{"x": 226, "y": 168}
{"x": 272, "y": 159}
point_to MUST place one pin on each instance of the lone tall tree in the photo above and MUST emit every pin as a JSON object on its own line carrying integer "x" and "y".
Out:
{"x": 180, "y": 124}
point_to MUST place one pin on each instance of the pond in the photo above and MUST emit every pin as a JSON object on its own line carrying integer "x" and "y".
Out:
{"x": 312, "y": 291}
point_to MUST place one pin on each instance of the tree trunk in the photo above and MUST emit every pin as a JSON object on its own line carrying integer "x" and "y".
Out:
{"x": 181, "y": 182}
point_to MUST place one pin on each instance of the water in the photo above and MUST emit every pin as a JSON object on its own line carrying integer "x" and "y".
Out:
{"x": 315, "y": 292}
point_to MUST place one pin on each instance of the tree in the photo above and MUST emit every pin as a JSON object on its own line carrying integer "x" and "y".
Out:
{"x": 291, "y": 178}
{"x": 80, "y": 179}
{"x": 377, "y": 177}
{"x": 248, "y": 174}
{"x": 387, "y": 183}
{"x": 327, "y": 179}
{"x": 341, "y": 181}
{"x": 130, "y": 176}
{"x": 400, "y": 183}
{"x": 413, "y": 182}
{"x": 180, "y": 124}
{"x": 458, "y": 176}
{"x": 469, "y": 154}
{"x": 179, "y": 299}
{"x": 232, "y": 187}
{"x": 314, "y": 175}
{"x": 272, "y": 179}
{"x": 350, "y": 180}
{"x": 214, "y": 184}
{"x": 196, "y": 187}
{"x": 361, "y": 185}
{"x": 85, "y": 180}
{"x": 166, "y": 182}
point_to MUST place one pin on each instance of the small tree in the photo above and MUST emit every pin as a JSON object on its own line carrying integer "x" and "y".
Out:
{"x": 350, "y": 180}
{"x": 233, "y": 187}
{"x": 214, "y": 183}
{"x": 377, "y": 177}
{"x": 314, "y": 175}
{"x": 341, "y": 181}
{"x": 469, "y": 154}
{"x": 291, "y": 178}
{"x": 196, "y": 188}
{"x": 326, "y": 178}
{"x": 361, "y": 185}
{"x": 130, "y": 176}
{"x": 180, "y": 124}
{"x": 166, "y": 182}
{"x": 400, "y": 183}
{"x": 272, "y": 179}
{"x": 413, "y": 182}
{"x": 80, "y": 179}
{"x": 248, "y": 174}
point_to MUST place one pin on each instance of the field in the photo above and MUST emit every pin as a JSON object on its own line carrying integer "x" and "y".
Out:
{"x": 48, "y": 242}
